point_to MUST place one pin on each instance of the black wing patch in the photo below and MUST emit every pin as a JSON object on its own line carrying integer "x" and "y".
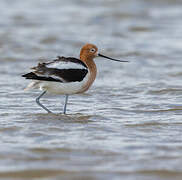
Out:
{"x": 63, "y": 75}
{"x": 32, "y": 75}
{"x": 71, "y": 75}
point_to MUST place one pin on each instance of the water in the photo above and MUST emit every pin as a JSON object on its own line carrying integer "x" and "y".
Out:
{"x": 128, "y": 125}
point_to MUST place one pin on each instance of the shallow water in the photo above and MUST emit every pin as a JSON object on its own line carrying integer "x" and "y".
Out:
{"x": 128, "y": 125}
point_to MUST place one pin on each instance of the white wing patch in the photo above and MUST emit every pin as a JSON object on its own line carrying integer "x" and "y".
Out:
{"x": 66, "y": 65}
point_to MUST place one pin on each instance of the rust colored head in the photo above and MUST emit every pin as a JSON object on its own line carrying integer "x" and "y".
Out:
{"x": 88, "y": 52}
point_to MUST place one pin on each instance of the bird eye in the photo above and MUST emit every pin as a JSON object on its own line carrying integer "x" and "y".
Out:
{"x": 92, "y": 50}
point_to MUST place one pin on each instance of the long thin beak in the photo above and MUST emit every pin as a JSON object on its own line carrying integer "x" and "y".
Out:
{"x": 111, "y": 58}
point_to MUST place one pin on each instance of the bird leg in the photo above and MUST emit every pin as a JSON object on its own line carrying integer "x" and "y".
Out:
{"x": 65, "y": 104}
{"x": 41, "y": 105}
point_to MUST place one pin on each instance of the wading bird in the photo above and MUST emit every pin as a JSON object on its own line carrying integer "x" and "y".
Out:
{"x": 66, "y": 75}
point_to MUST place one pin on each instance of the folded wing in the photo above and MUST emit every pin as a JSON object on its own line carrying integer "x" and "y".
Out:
{"x": 60, "y": 70}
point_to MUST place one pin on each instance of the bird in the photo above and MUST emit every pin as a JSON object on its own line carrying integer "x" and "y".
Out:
{"x": 66, "y": 75}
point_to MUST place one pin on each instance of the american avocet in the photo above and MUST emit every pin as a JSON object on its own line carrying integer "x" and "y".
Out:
{"x": 66, "y": 75}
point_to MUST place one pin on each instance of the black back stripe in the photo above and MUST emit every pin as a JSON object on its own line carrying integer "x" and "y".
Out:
{"x": 66, "y": 75}
{"x": 33, "y": 76}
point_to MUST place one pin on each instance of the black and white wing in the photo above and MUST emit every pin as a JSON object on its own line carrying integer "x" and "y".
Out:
{"x": 60, "y": 70}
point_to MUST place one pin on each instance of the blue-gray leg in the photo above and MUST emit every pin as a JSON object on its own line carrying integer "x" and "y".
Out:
{"x": 65, "y": 104}
{"x": 38, "y": 102}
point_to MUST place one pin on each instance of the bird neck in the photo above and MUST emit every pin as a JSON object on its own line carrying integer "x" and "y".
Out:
{"x": 92, "y": 69}
{"x": 90, "y": 64}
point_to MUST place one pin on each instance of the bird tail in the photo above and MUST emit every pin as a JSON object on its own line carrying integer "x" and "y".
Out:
{"x": 32, "y": 85}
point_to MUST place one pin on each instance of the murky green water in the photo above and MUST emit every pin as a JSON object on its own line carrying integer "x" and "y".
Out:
{"x": 128, "y": 125}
